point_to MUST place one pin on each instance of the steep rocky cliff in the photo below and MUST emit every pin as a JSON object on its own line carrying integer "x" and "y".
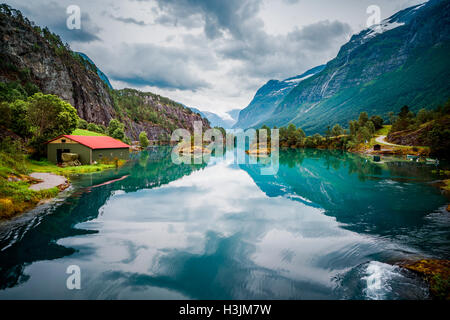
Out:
{"x": 30, "y": 54}
{"x": 404, "y": 60}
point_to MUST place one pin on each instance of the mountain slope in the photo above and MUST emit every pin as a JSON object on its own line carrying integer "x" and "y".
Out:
{"x": 402, "y": 61}
{"x": 99, "y": 72}
{"x": 30, "y": 55}
{"x": 267, "y": 98}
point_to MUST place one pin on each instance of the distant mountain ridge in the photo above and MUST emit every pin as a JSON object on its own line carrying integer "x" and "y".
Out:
{"x": 216, "y": 120}
{"x": 268, "y": 96}
{"x": 402, "y": 61}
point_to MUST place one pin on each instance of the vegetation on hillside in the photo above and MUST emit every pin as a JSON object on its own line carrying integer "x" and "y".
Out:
{"x": 426, "y": 127}
{"x": 431, "y": 128}
{"x": 152, "y": 108}
{"x": 360, "y": 131}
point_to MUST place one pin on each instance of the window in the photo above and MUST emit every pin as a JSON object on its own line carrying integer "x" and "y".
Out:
{"x": 63, "y": 140}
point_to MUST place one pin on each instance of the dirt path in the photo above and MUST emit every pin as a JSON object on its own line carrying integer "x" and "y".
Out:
{"x": 382, "y": 140}
{"x": 49, "y": 181}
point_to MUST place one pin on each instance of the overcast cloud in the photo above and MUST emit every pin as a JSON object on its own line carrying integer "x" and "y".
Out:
{"x": 208, "y": 54}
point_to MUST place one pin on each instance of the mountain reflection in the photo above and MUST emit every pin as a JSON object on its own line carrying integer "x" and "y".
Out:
{"x": 148, "y": 169}
{"x": 385, "y": 199}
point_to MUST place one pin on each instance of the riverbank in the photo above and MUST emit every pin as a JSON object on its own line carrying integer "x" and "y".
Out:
{"x": 25, "y": 183}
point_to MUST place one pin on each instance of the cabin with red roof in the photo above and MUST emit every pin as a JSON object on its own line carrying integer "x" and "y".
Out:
{"x": 90, "y": 149}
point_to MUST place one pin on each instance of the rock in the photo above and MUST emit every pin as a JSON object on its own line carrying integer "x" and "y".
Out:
{"x": 66, "y": 157}
{"x": 59, "y": 72}
{"x": 437, "y": 274}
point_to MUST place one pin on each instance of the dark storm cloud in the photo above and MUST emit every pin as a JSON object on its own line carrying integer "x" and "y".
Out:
{"x": 151, "y": 65}
{"x": 320, "y": 35}
{"x": 218, "y": 16}
{"x": 54, "y": 16}
{"x": 261, "y": 54}
{"x": 264, "y": 55}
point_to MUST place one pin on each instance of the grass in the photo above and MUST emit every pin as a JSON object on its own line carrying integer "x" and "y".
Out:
{"x": 383, "y": 131}
{"x": 397, "y": 149}
{"x": 46, "y": 166}
{"x": 83, "y": 132}
{"x": 15, "y": 195}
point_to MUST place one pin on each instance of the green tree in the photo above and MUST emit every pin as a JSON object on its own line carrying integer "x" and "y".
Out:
{"x": 18, "y": 118}
{"x": 318, "y": 139}
{"x": 283, "y": 136}
{"x": 292, "y": 136}
{"x": 114, "y": 124}
{"x": 369, "y": 125}
{"x": 11, "y": 91}
{"x": 119, "y": 133}
{"x": 353, "y": 126}
{"x": 143, "y": 139}
{"x": 377, "y": 121}
{"x": 92, "y": 127}
{"x": 101, "y": 129}
{"x": 49, "y": 117}
{"x": 363, "y": 118}
{"x": 328, "y": 133}
{"x": 337, "y": 130}
{"x": 363, "y": 134}
{"x": 424, "y": 116}
{"x": 404, "y": 120}
{"x": 82, "y": 124}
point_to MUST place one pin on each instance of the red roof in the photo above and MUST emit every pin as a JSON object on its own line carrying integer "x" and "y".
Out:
{"x": 96, "y": 142}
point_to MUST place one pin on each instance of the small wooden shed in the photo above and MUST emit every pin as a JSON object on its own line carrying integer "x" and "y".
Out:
{"x": 89, "y": 148}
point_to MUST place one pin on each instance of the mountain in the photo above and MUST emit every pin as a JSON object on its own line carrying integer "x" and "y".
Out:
{"x": 267, "y": 98}
{"x": 33, "y": 57}
{"x": 219, "y": 121}
{"x": 402, "y": 61}
{"x": 99, "y": 72}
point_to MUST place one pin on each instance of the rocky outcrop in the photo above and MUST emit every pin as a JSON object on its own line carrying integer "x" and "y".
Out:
{"x": 436, "y": 273}
{"x": 29, "y": 54}
{"x": 408, "y": 137}
{"x": 158, "y": 116}
{"x": 24, "y": 49}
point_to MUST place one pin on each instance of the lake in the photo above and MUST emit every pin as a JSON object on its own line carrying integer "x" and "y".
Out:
{"x": 328, "y": 225}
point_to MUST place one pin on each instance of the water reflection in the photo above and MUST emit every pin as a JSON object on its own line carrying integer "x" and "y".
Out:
{"x": 387, "y": 199}
{"x": 223, "y": 231}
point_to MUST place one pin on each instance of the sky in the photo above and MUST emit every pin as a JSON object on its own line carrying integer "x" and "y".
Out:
{"x": 209, "y": 54}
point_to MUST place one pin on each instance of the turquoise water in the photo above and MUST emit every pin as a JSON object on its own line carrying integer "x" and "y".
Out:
{"x": 328, "y": 225}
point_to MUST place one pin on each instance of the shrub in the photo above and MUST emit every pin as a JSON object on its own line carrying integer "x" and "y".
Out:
{"x": 82, "y": 124}
{"x": 143, "y": 139}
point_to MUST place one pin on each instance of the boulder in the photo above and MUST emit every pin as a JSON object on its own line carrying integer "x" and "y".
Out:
{"x": 69, "y": 157}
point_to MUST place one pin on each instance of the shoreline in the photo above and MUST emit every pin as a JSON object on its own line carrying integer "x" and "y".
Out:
{"x": 51, "y": 181}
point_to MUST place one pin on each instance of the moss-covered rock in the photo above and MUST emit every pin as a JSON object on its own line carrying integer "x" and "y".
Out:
{"x": 436, "y": 273}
